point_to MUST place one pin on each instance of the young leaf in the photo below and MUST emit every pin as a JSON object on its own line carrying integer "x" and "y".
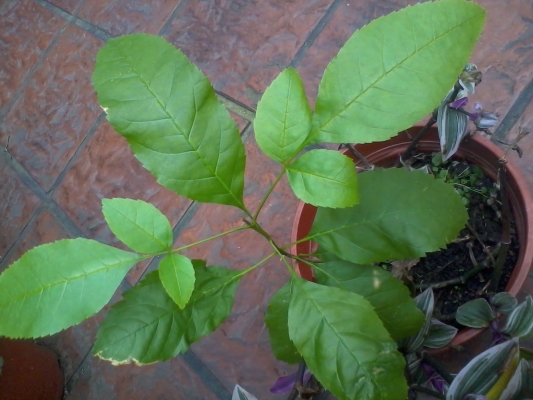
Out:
{"x": 283, "y": 118}
{"x": 504, "y": 302}
{"x": 148, "y": 326}
{"x": 139, "y": 225}
{"x": 57, "y": 285}
{"x": 277, "y": 321}
{"x": 394, "y": 71}
{"x": 168, "y": 112}
{"x": 324, "y": 178}
{"x": 480, "y": 374}
{"x": 344, "y": 343}
{"x": 439, "y": 335}
{"x": 520, "y": 321}
{"x": 389, "y": 296}
{"x": 401, "y": 215}
{"x": 452, "y": 126}
{"x": 240, "y": 394}
{"x": 425, "y": 302}
{"x": 476, "y": 313}
{"x": 521, "y": 384}
{"x": 176, "y": 273}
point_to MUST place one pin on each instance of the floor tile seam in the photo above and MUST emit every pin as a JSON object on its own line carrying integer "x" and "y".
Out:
{"x": 44, "y": 197}
{"x": 236, "y": 107}
{"x": 515, "y": 112}
{"x": 23, "y": 234}
{"x": 25, "y": 83}
{"x": 315, "y": 32}
{"x": 210, "y": 380}
{"x": 77, "y": 153}
{"x": 172, "y": 16}
{"x": 73, "y": 19}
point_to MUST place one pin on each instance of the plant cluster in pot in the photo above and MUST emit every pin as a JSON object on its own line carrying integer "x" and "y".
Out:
{"x": 345, "y": 327}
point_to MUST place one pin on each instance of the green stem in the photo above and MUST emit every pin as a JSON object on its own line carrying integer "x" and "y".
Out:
{"x": 278, "y": 251}
{"x": 245, "y": 271}
{"x": 267, "y": 195}
{"x": 172, "y": 251}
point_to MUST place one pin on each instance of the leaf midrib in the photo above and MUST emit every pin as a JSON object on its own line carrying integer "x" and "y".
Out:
{"x": 355, "y": 99}
{"x": 178, "y": 128}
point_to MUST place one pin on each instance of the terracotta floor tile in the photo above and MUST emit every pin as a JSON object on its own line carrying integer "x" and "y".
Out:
{"x": 108, "y": 169}
{"x": 57, "y": 109}
{"x": 16, "y": 208}
{"x": 243, "y": 45}
{"x": 525, "y": 163}
{"x": 120, "y": 17}
{"x": 98, "y": 379}
{"x": 26, "y": 30}
{"x": 66, "y": 5}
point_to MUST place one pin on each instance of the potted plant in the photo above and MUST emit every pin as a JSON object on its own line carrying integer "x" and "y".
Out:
{"x": 385, "y": 79}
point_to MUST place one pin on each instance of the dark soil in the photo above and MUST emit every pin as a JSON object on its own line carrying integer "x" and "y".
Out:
{"x": 481, "y": 197}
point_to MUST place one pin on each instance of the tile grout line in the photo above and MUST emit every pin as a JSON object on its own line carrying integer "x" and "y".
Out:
{"x": 515, "y": 111}
{"x": 172, "y": 16}
{"x": 73, "y": 19}
{"x": 314, "y": 33}
{"x": 209, "y": 379}
{"x": 22, "y": 235}
{"x": 50, "y": 204}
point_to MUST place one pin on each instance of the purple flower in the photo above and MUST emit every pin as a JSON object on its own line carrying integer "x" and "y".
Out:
{"x": 482, "y": 119}
{"x": 434, "y": 378}
{"x": 285, "y": 384}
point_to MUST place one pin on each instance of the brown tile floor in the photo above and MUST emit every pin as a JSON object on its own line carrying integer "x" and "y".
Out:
{"x": 59, "y": 157}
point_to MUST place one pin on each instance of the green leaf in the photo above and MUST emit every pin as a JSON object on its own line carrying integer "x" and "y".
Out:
{"x": 520, "y": 386}
{"x": 148, "y": 326}
{"x": 476, "y": 313}
{"x": 277, "y": 321}
{"x": 504, "y": 302}
{"x": 324, "y": 178}
{"x": 168, "y": 112}
{"x": 425, "y": 302}
{"x": 520, "y": 322}
{"x": 240, "y": 394}
{"x": 452, "y": 126}
{"x": 138, "y": 224}
{"x": 394, "y": 71}
{"x": 57, "y": 285}
{"x": 439, "y": 335}
{"x": 344, "y": 343}
{"x": 390, "y": 298}
{"x": 283, "y": 118}
{"x": 176, "y": 273}
{"x": 401, "y": 215}
{"x": 482, "y": 372}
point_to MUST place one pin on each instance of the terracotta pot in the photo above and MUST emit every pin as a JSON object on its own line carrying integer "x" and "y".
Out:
{"x": 477, "y": 150}
{"x": 30, "y": 372}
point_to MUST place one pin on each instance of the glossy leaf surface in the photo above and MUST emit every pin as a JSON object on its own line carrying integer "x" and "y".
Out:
{"x": 137, "y": 224}
{"x": 345, "y": 343}
{"x": 504, "y": 302}
{"x": 324, "y": 178}
{"x": 439, "y": 334}
{"x": 483, "y": 371}
{"x": 476, "y": 313}
{"x": 168, "y": 112}
{"x": 148, "y": 326}
{"x": 389, "y": 296}
{"x": 395, "y": 70}
{"x": 520, "y": 321}
{"x": 57, "y": 285}
{"x": 176, "y": 273}
{"x": 283, "y": 118}
{"x": 425, "y": 302}
{"x": 277, "y": 321}
{"x": 401, "y": 215}
{"x": 452, "y": 126}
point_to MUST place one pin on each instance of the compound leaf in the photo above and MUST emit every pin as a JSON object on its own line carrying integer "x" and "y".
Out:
{"x": 345, "y": 343}
{"x": 138, "y": 224}
{"x": 168, "y": 112}
{"x": 148, "y": 326}
{"x": 401, "y": 215}
{"x": 394, "y": 71}
{"x": 176, "y": 273}
{"x": 57, "y": 285}
{"x": 277, "y": 321}
{"x": 324, "y": 178}
{"x": 389, "y": 296}
{"x": 283, "y": 118}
